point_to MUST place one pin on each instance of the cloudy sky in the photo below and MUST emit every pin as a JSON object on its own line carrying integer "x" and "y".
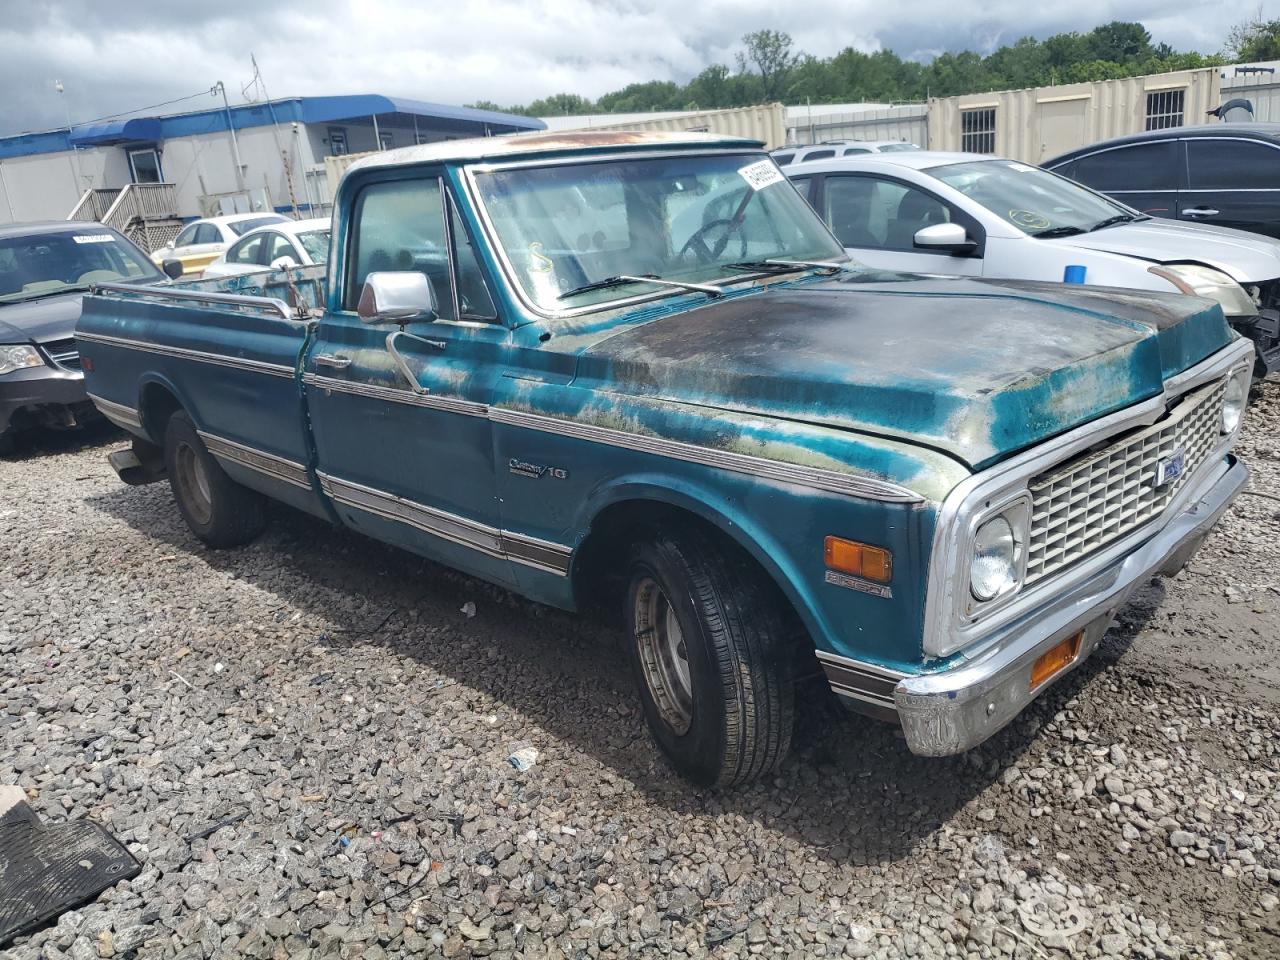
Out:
{"x": 118, "y": 56}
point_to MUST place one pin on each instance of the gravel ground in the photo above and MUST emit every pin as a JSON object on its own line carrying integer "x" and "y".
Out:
{"x": 331, "y": 705}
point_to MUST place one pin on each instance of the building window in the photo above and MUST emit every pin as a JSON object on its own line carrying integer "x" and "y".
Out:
{"x": 1164, "y": 109}
{"x": 144, "y": 166}
{"x": 385, "y": 140}
{"x": 978, "y": 130}
{"x": 337, "y": 141}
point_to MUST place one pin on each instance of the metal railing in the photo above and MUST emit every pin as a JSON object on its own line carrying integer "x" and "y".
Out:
{"x": 94, "y": 204}
{"x": 142, "y": 201}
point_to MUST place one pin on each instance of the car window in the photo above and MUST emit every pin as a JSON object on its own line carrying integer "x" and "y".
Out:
{"x": 65, "y": 260}
{"x": 473, "y": 292}
{"x": 1232, "y": 165}
{"x": 898, "y": 147}
{"x": 316, "y": 244}
{"x": 399, "y": 225}
{"x": 246, "y": 250}
{"x": 1141, "y": 167}
{"x": 241, "y": 227}
{"x": 1033, "y": 200}
{"x": 782, "y": 159}
{"x": 803, "y": 184}
{"x": 819, "y": 155}
{"x": 207, "y": 233}
{"x": 881, "y": 214}
{"x": 187, "y": 236}
{"x": 851, "y": 151}
{"x": 278, "y": 245}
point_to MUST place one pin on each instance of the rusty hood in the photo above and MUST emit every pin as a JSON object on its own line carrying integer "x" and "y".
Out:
{"x": 978, "y": 369}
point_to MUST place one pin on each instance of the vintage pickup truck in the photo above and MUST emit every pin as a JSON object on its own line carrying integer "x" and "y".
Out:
{"x": 636, "y": 370}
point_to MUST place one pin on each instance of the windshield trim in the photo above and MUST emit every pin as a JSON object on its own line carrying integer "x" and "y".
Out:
{"x": 472, "y": 190}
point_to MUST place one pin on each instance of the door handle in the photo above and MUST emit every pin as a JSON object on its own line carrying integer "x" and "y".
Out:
{"x": 1199, "y": 212}
{"x": 335, "y": 361}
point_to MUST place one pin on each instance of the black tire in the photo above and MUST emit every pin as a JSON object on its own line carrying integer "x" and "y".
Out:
{"x": 738, "y": 671}
{"x": 218, "y": 510}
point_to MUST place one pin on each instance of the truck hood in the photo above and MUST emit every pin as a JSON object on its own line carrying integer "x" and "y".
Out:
{"x": 977, "y": 369}
{"x": 1245, "y": 257}
{"x": 51, "y": 318}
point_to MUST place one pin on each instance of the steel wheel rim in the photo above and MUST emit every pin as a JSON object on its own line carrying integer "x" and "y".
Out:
{"x": 195, "y": 481}
{"x": 664, "y": 656}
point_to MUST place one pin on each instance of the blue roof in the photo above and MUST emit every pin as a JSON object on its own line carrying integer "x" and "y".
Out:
{"x": 302, "y": 109}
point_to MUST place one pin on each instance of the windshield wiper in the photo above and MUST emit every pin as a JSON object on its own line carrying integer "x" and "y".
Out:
{"x": 78, "y": 288}
{"x": 1058, "y": 232}
{"x": 711, "y": 291}
{"x": 784, "y": 266}
{"x": 1112, "y": 221}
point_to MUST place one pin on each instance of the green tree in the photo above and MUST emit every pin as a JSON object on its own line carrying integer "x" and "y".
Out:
{"x": 1254, "y": 40}
{"x": 560, "y": 105}
{"x": 639, "y": 97}
{"x": 1119, "y": 42}
{"x": 769, "y": 51}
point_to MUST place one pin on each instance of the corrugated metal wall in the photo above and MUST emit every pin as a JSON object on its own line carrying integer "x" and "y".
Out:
{"x": 1036, "y": 124}
{"x": 766, "y": 123}
{"x": 1262, "y": 89}
{"x": 909, "y": 122}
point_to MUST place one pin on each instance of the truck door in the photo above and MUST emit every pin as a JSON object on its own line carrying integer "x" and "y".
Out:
{"x": 410, "y": 463}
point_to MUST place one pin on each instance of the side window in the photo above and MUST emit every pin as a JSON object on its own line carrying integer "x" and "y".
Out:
{"x": 804, "y": 185}
{"x": 819, "y": 155}
{"x": 278, "y": 245}
{"x": 881, "y": 214}
{"x": 473, "y": 293}
{"x": 207, "y": 233}
{"x": 782, "y": 159}
{"x": 851, "y": 151}
{"x": 399, "y": 225}
{"x": 1232, "y": 165}
{"x": 246, "y": 251}
{"x": 187, "y": 236}
{"x": 1141, "y": 167}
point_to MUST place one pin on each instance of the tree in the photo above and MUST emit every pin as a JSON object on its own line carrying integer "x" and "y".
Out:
{"x": 1254, "y": 40}
{"x": 1119, "y": 41}
{"x": 770, "y": 52}
{"x": 560, "y": 105}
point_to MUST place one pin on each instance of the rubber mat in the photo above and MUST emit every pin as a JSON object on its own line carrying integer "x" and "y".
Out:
{"x": 48, "y": 870}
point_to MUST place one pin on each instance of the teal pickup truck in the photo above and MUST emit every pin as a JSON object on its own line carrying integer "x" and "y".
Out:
{"x": 636, "y": 371}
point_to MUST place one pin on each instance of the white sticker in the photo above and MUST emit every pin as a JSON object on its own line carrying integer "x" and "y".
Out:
{"x": 1020, "y": 167}
{"x": 762, "y": 174}
{"x": 94, "y": 238}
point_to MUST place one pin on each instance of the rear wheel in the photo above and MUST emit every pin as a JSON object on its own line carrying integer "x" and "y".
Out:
{"x": 219, "y": 511}
{"x": 708, "y": 647}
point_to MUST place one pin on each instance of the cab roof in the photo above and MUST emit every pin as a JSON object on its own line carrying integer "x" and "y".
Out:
{"x": 532, "y": 145}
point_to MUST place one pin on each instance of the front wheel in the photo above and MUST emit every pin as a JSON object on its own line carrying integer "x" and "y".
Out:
{"x": 708, "y": 647}
{"x": 218, "y": 510}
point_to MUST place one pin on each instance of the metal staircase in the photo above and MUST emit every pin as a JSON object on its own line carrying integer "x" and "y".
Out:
{"x": 146, "y": 213}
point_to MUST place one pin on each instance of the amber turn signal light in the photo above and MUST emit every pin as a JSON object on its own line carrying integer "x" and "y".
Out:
{"x": 1059, "y": 657}
{"x": 859, "y": 559}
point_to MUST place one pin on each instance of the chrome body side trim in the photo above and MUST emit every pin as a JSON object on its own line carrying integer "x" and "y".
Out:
{"x": 491, "y": 541}
{"x": 182, "y": 353}
{"x": 268, "y": 464}
{"x": 868, "y": 683}
{"x": 831, "y": 481}
{"x": 396, "y": 395}
{"x": 118, "y": 413}
{"x": 242, "y": 302}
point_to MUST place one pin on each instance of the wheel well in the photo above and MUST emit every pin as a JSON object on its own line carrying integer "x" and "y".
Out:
{"x": 155, "y": 407}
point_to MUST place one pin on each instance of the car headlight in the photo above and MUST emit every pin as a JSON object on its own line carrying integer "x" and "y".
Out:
{"x": 18, "y": 356}
{"x": 1197, "y": 280}
{"x": 1234, "y": 400}
{"x": 999, "y": 553}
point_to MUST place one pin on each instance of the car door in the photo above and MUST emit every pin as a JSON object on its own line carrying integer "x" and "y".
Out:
{"x": 875, "y": 218}
{"x": 243, "y": 256}
{"x": 202, "y": 248}
{"x": 280, "y": 246}
{"x": 1232, "y": 182}
{"x": 411, "y": 461}
{"x": 1145, "y": 176}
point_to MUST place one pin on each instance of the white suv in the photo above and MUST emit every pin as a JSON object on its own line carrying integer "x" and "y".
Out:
{"x": 829, "y": 149}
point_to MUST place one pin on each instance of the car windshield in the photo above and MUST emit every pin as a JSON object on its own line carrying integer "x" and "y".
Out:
{"x": 42, "y": 265}
{"x": 316, "y": 243}
{"x": 897, "y": 147}
{"x": 687, "y": 219}
{"x": 1033, "y": 200}
{"x": 241, "y": 227}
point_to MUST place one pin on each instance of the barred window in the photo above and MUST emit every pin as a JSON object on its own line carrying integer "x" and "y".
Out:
{"x": 1164, "y": 109}
{"x": 978, "y": 130}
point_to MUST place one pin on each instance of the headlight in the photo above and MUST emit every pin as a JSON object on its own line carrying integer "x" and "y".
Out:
{"x": 999, "y": 545}
{"x": 17, "y": 357}
{"x": 1198, "y": 280}
{"x": 1233, "y": 401}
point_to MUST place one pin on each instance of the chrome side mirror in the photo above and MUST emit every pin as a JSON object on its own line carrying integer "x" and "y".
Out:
{"x": 397, "y": 296}
{"x": 947, "y": 237}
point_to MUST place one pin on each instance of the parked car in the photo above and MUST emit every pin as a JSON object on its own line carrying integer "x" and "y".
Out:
{"x": 981, "y": 216}
{"x": 837, "y": 148}
{"x": 1225, "y": 174}
{"x": 45, "y": 269}
{"x": 294, "y": 243}
{"x": 200, "y": 242}
{"x": 756, "y": 461}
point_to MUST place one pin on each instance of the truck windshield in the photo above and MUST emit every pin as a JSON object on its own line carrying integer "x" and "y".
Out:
{"x": 681, "y": 218}
{"x": 1035, "y": 201}
{"x": 43, "y": 265}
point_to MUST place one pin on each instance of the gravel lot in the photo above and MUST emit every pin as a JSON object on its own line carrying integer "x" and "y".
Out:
{"x": 328, "y": 701}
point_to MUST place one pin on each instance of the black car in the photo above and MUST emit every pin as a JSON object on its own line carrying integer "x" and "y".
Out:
{"x": 1226, "y": 174}
{"x": 45, "y": 268}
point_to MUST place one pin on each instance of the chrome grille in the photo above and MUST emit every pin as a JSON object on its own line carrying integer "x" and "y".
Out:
{"x": 65, "y": 353}
{"x": 1082, "y": 506}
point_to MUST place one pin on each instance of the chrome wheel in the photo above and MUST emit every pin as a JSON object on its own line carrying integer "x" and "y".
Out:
{"x": 195, "y": 481}
{"x": 664, "y": 656}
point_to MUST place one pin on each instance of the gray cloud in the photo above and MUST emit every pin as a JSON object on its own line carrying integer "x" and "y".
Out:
{"x": 118, "y": 56}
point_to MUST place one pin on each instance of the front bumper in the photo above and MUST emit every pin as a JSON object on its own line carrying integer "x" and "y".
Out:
{"x": 39, "y": 395}
{"x": 959, "y": 707}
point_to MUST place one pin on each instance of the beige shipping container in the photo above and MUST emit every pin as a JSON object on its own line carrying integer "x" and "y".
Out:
{"x": 766, "y": 123}
{"x": 1037, "y": 124}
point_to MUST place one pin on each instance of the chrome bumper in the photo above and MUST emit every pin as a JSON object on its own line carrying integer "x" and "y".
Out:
{"x": 957, "y": 708}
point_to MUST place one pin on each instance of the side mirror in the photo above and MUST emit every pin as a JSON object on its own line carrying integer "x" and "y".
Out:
{"x": 171, "y": 244}
{"x": 172, "y": 268}
{"x": 947, "y": 237}
{"x": 283, "y": 263}
{"x": 396, "y": 297}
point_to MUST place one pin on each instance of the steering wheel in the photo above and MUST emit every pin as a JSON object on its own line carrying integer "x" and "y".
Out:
{"x": 710, "y": 252}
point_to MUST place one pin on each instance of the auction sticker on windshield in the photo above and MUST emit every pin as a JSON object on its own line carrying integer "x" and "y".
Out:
{"x": 762, "y": 174}
{"x": 93, "y": 238}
